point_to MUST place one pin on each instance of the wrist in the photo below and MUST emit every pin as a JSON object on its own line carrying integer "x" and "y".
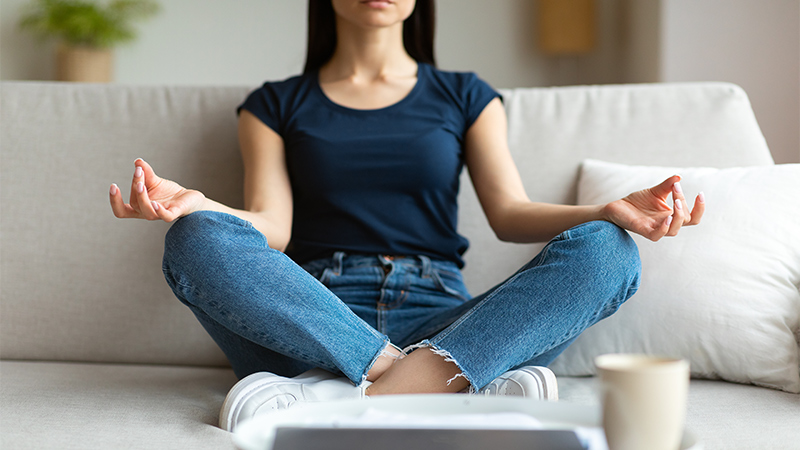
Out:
{"x": 200, "y": 201}
{"x": 604, "y": 212}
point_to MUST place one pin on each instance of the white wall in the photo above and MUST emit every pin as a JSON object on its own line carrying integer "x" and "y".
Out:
{"x": 641, "y": 43}
{"x": 493, "y": 38}
{"x": 249, "y": 41}
{"x": 189, "y": 42}
{"x": 216, "y": 42}
{"x": 755, "y": 44}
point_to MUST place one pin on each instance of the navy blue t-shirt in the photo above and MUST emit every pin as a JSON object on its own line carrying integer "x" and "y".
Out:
{"x": 379, "y": 181}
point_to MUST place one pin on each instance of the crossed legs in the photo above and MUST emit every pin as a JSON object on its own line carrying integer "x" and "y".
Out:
{"x": 268, "y": 314}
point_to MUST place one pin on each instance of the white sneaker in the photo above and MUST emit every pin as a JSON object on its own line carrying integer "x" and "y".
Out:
{"x": 538, "y": 383}
{"x": 264, "y": 391}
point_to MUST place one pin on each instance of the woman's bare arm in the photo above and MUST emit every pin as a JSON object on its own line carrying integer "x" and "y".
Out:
{"x": 267, "y": 191}
{"x": 514, "y": 218}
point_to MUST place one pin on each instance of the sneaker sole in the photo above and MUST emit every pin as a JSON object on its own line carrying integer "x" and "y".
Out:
{"x": 547, "y": 382}
{"x": 539, "y": 380}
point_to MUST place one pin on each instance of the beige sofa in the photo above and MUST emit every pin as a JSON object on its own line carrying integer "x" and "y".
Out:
{"x": 97, "y": 353}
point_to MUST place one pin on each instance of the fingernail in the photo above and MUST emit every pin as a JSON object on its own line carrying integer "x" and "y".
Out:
{"x": 701, "y": 197}
{"x": 155, "y": 205}
{"x": 669, "y": 220}
{"x": 140, "y": 187}
{"x": 678, "y": 204}
{"x": 139, "y": 172}
{"x": 113, "y": 190}
{"x": 678, "y": 187}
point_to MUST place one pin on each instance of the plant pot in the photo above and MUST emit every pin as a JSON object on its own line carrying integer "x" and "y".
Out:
{"x": 84, "y": 64}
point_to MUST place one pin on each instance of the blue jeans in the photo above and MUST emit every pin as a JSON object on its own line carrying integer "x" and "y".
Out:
{"x": 267, "y": 313}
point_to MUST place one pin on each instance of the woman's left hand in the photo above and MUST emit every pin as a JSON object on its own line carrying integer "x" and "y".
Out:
{"x": 647, "y": 212}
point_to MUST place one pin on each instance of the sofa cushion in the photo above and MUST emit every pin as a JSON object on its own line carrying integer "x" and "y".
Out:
{"x": 79, "y": 406}
{"x": 723, "y": 294}
{"x": 720, "y": 415}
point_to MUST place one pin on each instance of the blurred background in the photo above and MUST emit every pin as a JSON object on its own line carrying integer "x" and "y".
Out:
{"x": 509, "y": 43}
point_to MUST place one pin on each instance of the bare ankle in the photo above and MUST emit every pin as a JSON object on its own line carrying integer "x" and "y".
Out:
{"x": 423, "y": 371}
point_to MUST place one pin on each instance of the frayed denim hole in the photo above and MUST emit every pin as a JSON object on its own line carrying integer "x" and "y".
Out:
{"x": 375, "y": 358}
{"x": 447, "y": 358}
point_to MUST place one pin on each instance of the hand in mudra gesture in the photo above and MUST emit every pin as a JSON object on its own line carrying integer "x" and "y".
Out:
{"x": 647, "y": 212}
{"x": 154, "y": 198}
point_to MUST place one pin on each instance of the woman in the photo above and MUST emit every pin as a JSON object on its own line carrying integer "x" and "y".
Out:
{"x": 352, "y": 170}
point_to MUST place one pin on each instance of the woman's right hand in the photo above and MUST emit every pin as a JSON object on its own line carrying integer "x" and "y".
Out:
{"x": 154, "y": 198}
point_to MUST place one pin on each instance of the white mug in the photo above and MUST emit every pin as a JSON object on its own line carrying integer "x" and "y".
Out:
{"x": 644, "y": 400}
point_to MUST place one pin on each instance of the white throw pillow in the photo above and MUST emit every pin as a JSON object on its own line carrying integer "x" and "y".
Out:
{"x": 723, "y": 294}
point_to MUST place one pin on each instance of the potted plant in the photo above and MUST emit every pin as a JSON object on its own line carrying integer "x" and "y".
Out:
{"x": 86, "y": 32}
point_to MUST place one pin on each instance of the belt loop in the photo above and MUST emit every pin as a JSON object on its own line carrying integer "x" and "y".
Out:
{"x": 338, "y": 259}
{"x": 387, "y": 264}
{"x": 426, "y": 265}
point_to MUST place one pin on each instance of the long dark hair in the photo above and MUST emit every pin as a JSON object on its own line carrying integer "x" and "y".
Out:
{"x": 418, "y": 33}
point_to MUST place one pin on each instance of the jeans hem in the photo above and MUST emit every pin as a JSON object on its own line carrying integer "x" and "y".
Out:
{"x": 382, "y": 352}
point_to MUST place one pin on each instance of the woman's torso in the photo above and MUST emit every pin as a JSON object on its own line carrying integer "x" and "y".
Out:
{"x": 377, "y": 181}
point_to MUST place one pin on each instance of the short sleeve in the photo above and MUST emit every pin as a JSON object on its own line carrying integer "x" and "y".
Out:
{"x": 264, "y": 103}
{"x": 477, "y": 94}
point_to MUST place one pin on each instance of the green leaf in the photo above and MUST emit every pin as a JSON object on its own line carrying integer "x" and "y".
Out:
{"x": 84, "y": 22}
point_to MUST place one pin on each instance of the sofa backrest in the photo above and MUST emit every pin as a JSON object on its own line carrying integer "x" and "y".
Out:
{"x": 77, "y": 284}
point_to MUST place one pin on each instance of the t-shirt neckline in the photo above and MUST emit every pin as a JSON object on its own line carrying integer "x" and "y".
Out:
{"x": 421, "y": 75}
